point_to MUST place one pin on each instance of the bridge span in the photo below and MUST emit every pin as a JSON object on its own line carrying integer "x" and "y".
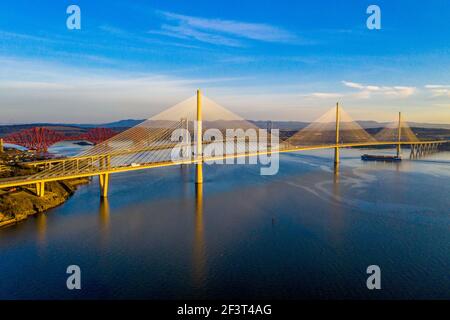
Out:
{"x": 103, "y": 164}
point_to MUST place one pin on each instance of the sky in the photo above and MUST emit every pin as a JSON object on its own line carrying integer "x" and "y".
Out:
{"x": 264, "y": 60}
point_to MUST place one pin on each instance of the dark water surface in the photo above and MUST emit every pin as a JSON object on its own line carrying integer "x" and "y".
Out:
{"x": 303, "y": 233}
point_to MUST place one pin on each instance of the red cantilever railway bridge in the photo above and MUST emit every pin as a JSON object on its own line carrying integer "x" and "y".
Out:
{"x": 41, "y": 138}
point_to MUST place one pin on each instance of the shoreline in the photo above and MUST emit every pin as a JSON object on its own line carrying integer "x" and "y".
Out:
{"x": 19, "y": 205}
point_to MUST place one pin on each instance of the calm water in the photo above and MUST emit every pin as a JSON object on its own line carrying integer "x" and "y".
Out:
{"x": 303, "y": 233}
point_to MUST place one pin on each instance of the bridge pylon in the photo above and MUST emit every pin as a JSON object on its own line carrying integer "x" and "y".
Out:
{"x": 199, "y": 155}
{"x": 184, "y": 122}
{"x": 336, "y": 149}
{"x": 399, "y": 134}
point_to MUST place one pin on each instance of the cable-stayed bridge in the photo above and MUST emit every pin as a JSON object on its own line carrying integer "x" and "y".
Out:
{"x": 198, "y": 130}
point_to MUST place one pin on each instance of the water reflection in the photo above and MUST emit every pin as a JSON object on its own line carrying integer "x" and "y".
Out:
{"x": 336, "y": 173}
{"x": 331, "y": 223}
{"x": 186, "y": 177}
{"x": 199, "y": 240}
{"x": 104, "y": 220}
{"x": 41, "y": 225}
{"x": 336, "y": 219}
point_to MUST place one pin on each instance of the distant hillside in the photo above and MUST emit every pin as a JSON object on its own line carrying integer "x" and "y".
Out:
{"x": 282, "y": 125}
{"x": 429, "y": 125}
{"x": 73, "y": 129}
{"x": 121, "y": 124}
{"x": 66, "y": 128}
{"x": 128, "y": 123}
{"x": 374, "y": 124}
{"x": 297, "y": 125}
{"x": 69, "y": 129}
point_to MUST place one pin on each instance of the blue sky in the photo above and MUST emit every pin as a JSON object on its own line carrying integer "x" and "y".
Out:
{"x": 279, "y": 60}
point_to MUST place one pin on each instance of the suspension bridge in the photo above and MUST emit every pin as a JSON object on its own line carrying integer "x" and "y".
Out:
{"x": 201, "y": 124}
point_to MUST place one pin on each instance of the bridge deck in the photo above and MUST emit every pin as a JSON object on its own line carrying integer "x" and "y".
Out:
{"x": 94, "y": 170}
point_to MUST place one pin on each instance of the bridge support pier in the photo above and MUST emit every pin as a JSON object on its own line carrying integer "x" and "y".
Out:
{"x": 420, "y": 150}
{"x": 104, "y": 184}
{"x": 336, "y": 156}
{"x": 40, "y": 189}
{"x": 199, "y": 173}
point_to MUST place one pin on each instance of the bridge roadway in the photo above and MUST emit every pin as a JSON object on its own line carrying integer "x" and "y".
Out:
{"x": 89, "y": 171}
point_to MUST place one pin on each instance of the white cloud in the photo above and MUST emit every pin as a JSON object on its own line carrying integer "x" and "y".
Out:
{"x": 255, "y": 31}
{"x": 5, "y": 35}
{"x": 366, "y": 91}
{"x": 436, "y": 86}
{"x": 221, "y": 32}
{"x": 324, "y": 95}
{"x": 353, "y": 85}
{"x": 33, "y": 85}
{"x": 186, "y": 32}
{"x": 439, "y": 90}
{"x": 38, "y": 91}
